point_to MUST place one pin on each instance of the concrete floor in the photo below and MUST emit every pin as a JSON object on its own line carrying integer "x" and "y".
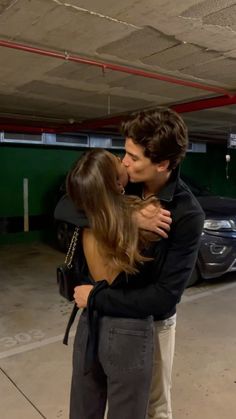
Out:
{"x": 35, "y": 366}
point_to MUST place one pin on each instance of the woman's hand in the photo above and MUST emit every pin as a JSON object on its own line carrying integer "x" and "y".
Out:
{"x": 81, "y": 295}
{"x": 154, "y": 218}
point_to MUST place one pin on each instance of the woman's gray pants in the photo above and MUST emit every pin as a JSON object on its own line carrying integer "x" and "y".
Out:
{"x": 122, "y": 373}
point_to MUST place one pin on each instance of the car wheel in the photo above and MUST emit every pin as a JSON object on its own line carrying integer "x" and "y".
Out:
{"x": 194, "y": 278}
{"x": 63, "y": 236}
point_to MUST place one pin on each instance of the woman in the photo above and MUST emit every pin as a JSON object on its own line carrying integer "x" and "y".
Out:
{"x": 112, "y": 246}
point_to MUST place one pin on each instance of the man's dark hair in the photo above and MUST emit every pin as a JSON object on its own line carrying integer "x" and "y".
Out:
{"x": 161, "y": 132}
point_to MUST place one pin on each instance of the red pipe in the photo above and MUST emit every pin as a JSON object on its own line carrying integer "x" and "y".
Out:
{"x": 27, "y": 128}
{"x": 198, "y": 105}
{"x": 115, "y": 120}
{"x": 114, "y": 67}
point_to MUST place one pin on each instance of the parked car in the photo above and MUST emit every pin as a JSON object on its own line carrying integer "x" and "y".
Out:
{"x": 217, "y": 254}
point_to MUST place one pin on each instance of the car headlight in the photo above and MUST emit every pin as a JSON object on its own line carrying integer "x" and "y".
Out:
{"x": 219, "y": 225}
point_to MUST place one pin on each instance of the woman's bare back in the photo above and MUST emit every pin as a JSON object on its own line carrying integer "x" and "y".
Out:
{"x": 99, "y": 264}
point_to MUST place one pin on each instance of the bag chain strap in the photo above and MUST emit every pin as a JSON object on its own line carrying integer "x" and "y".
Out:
{"x": 72, "y": 247}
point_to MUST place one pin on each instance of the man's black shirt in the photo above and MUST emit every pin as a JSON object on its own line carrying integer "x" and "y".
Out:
{"x": 160, "y": 283}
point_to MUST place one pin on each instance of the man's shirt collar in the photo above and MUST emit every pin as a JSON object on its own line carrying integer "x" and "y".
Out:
{"x": 167, "y": 192}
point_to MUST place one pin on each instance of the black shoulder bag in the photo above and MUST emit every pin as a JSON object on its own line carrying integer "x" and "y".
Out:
{"x": 67, "y": 274}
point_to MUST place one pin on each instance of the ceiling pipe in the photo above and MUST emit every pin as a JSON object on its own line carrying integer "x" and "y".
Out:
{"x": 224, "y": 100}
{"x": 114, "y": 121}
{"x": 199, "y": 105}
{"x": 196, "y": 105}
{"x": 28, "y": 129}
{"x": 115, "y": 67}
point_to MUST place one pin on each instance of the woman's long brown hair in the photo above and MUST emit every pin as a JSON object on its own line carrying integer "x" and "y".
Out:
{"x": 92, "y": 184}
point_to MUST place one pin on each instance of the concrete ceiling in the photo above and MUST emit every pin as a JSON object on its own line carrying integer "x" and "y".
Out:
{"x": 189, "y": 40}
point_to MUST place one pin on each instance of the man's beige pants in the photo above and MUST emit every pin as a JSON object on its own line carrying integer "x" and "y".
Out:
{"x": 160, "y": 395}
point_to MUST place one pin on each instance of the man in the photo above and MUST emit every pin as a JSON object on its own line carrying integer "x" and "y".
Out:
{"x": 156, "y": 142}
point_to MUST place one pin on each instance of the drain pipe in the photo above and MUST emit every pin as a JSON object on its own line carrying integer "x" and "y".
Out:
{"x": 115, "y": 67}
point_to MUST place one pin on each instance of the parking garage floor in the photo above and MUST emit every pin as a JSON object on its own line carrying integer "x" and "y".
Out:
{"x": 35, "y": 367}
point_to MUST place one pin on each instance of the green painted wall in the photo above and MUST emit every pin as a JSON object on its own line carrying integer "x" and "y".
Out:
{"x": 46, "y": 168}
{"x": 209, "y": 169}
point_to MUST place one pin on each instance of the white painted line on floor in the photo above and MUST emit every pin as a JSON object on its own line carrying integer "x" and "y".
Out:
{"x": 48, "y": 341}
{"x": 34, "y": 345}
{"x": 197, "y": 296}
